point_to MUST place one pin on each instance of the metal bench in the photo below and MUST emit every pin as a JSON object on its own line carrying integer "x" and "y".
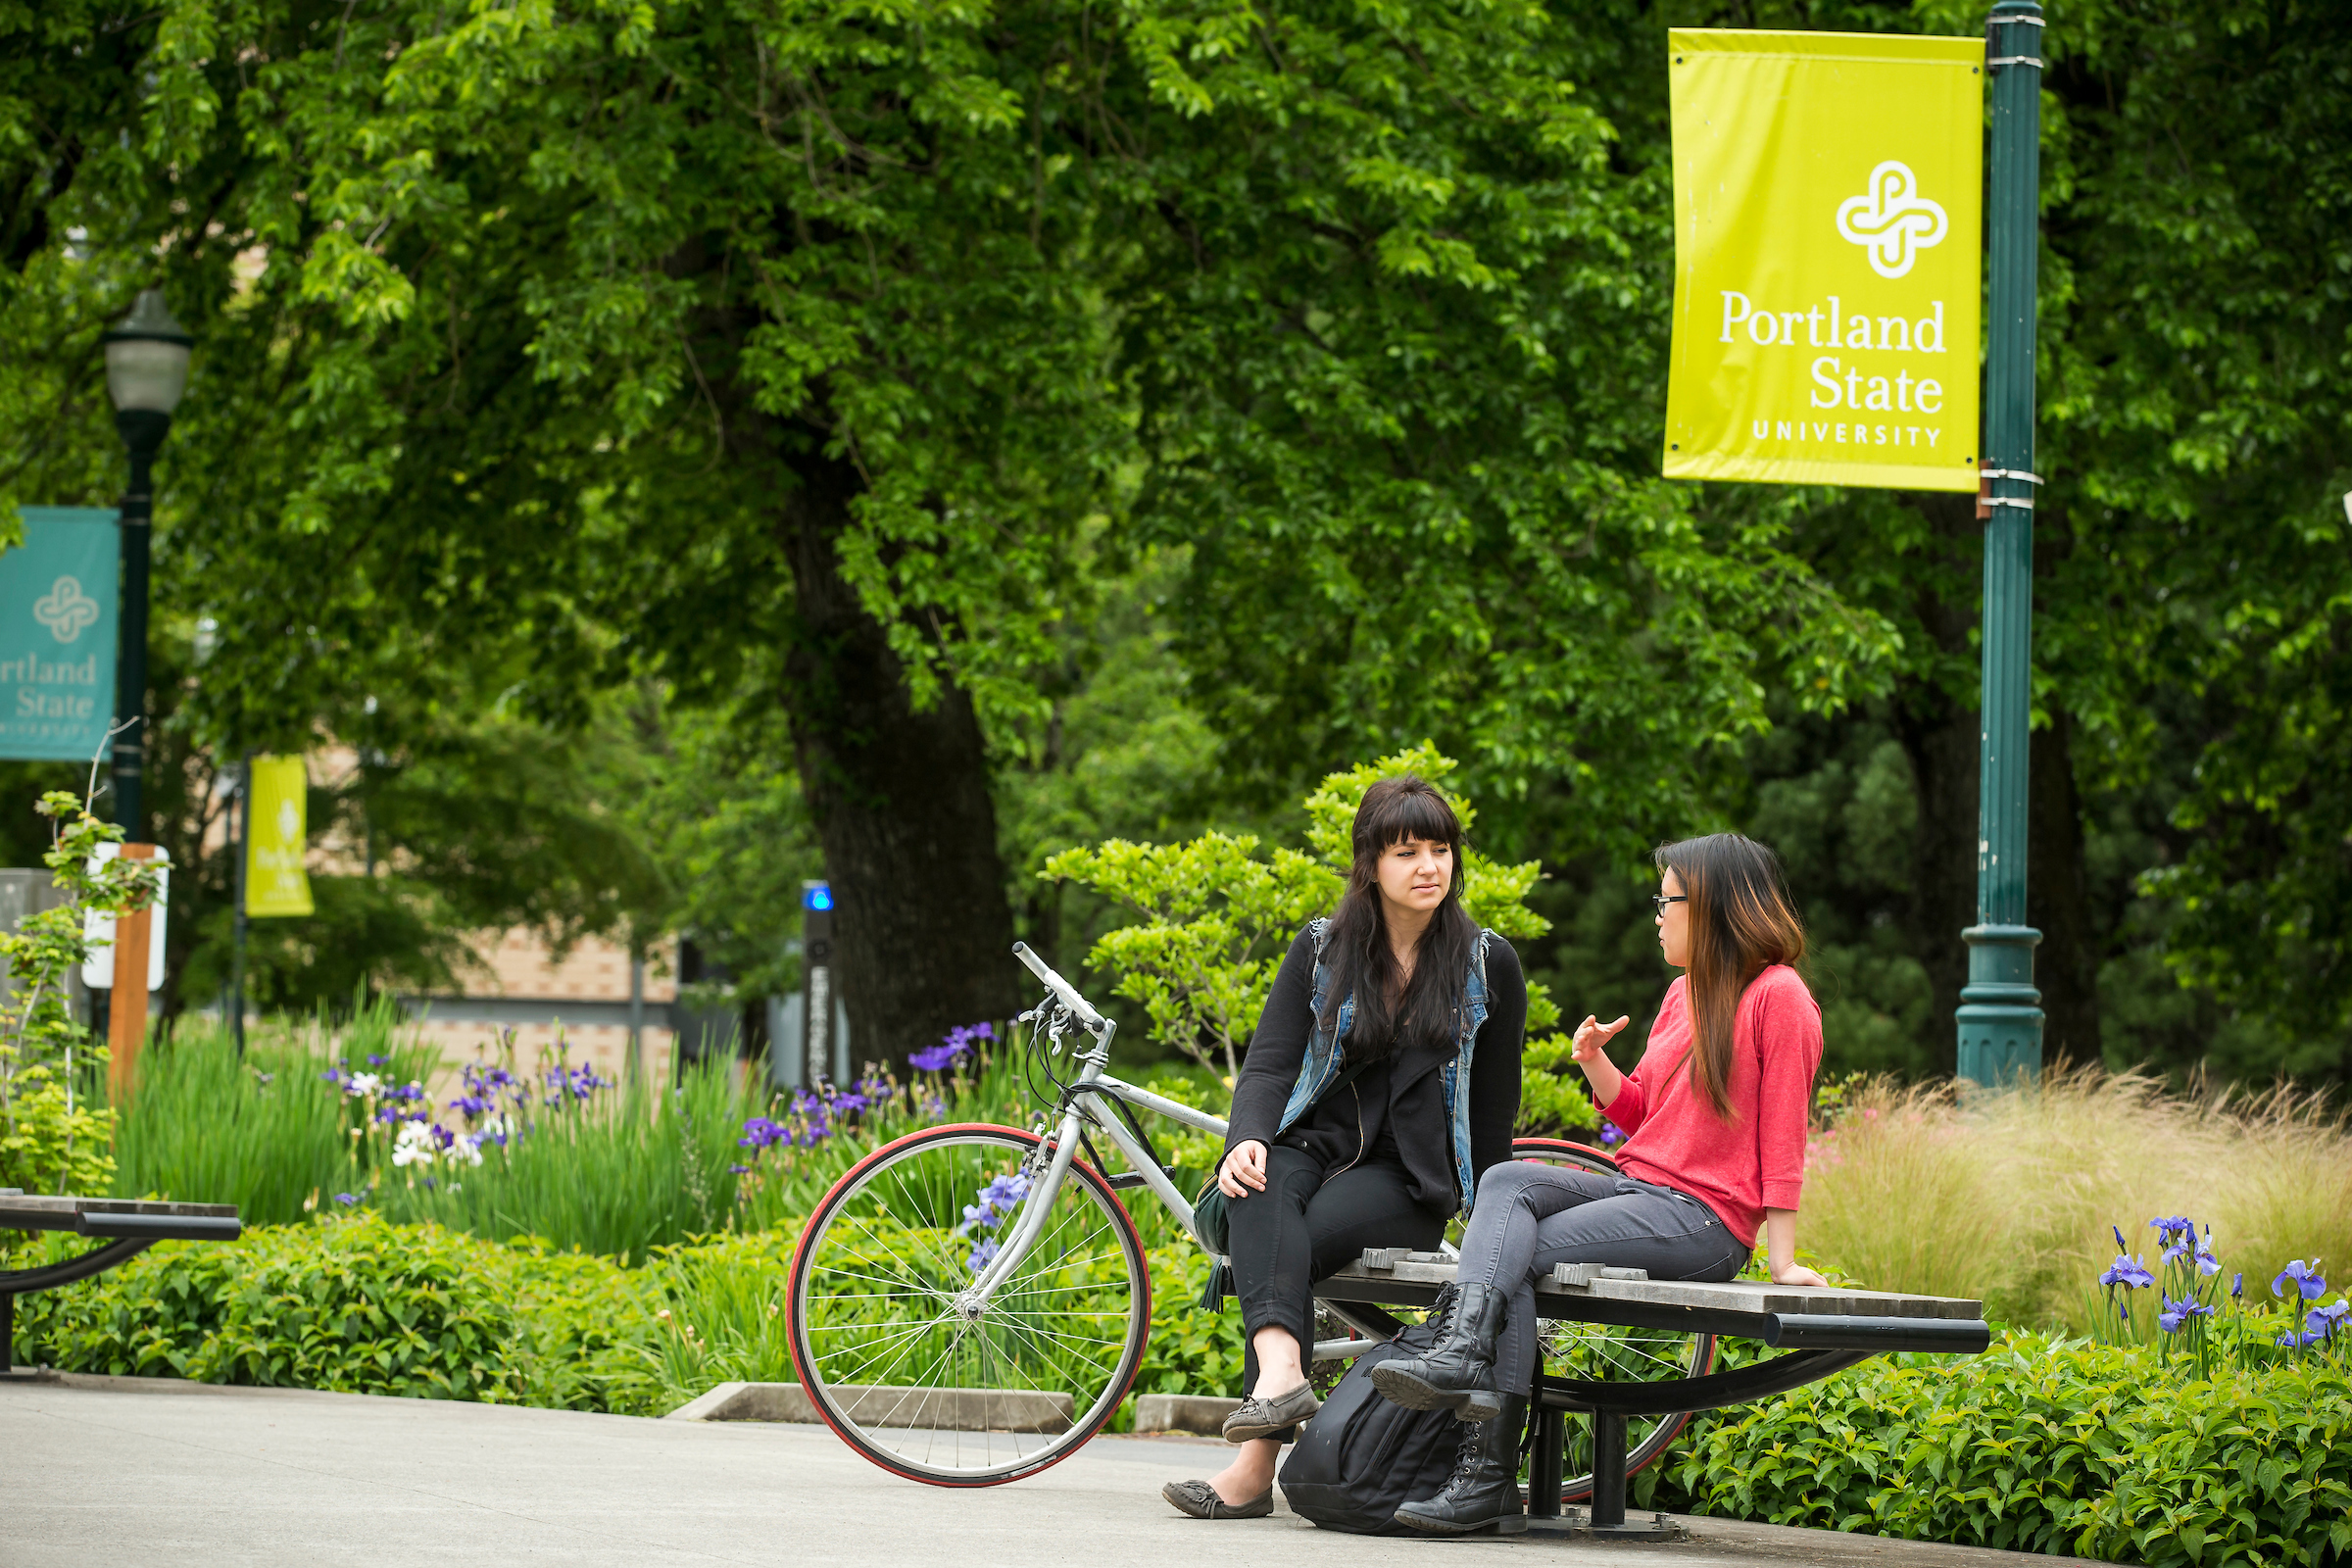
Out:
{"x": 125, "y": 1227}
{"x": 1820, "y": 1332}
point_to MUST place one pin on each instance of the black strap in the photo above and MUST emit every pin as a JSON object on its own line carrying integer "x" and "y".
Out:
{"x": 1347, "y": 1077}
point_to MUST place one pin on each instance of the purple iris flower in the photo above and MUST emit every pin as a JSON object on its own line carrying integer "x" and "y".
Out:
{"x": 1610, "y": 1134}
{"x": 2238, "y": 1286}
{"x": 2306, "y": 1277}
{"x": 997, "y": 1200}
{"x": 2327, "y": 1321}
{"x": 2176, "y": 1235}
{"x": 983, "y": 1255}
{"x": 2129, "y": 1272}
{"x": 2178, "y": 1313}
{"x": 762, "y": 1133}
{"x": 347, "y": 1197}
{"x": 739, "y": 1170}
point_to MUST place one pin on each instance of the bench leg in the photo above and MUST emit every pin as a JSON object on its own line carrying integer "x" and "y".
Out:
{"x": 8, "y": 1332}
{"x": 1608, "y": 1469}
{"x": 1543, "y": 1465}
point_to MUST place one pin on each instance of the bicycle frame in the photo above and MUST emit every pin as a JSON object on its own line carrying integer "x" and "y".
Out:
{"x": 1078, "y": 1117}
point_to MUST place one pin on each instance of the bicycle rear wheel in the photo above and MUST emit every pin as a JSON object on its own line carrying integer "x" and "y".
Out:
{"x": 1594, "y": 1352}
{"x": 917, "y": 1372}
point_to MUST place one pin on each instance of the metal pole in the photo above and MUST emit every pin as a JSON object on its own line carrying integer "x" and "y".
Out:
{"x": 143, "y": 431}
{"x": 2000, "y": 1018}
{"x": 636, "y": 1013}
{"x": 817, "y": 984}
{"x": 240, "y": 822}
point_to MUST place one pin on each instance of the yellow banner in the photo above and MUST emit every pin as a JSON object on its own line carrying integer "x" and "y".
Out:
{"x": 1828, "y": 207}
{"x": 276, "y": 838}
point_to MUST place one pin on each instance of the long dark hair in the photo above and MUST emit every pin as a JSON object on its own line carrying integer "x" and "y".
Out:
{"x": 1362, "y": 964}
{"x": 1741, "y": 921}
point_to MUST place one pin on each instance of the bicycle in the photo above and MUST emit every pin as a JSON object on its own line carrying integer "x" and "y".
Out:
{"x": 968, "y": 1304}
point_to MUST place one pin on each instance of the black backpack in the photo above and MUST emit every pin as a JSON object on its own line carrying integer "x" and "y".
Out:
{"x": 1362, "y": 1458}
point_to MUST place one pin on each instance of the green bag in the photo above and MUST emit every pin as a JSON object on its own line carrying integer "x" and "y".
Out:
{"x": 1211, "y": 1219}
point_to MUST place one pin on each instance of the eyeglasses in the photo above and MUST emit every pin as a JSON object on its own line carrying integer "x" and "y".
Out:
{"x": 1661, "y": 900}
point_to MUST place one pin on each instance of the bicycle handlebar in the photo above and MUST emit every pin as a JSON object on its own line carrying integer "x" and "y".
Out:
{"x": 1060, "y": 987}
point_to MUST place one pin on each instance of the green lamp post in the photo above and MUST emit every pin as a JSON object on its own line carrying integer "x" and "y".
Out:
{"x": 2000, "y": 1013}
{"x": 146, "y": 372}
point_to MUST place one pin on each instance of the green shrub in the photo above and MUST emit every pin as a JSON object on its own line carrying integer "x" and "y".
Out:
{"x": 2043, "y": 1444}
{"x": 1190, "y": 1350}
{"x": 361, "y": 1307}
{"x": 716, "y": 1314}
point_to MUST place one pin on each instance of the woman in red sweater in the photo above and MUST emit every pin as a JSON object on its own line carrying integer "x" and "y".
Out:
{"x": 1716, "y": 1116}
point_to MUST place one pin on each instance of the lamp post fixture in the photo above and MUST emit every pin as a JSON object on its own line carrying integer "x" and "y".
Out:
{"x": 2000, "y": 1013}
{"x": 146, "y": 372}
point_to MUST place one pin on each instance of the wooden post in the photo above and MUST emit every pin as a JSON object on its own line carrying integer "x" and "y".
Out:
{"x": 127, "y": 1013}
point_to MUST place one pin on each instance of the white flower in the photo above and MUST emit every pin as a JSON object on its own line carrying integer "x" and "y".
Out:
{"x": 366, "y": 1083}
{"x": 466, "y": 1150}
{"x": 414, "y": 1145}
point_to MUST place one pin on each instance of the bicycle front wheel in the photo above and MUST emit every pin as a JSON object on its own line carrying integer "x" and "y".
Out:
{"x": 910, "y": 1364}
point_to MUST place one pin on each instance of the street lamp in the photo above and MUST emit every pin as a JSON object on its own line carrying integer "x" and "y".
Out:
{"x": 146, "y": 372}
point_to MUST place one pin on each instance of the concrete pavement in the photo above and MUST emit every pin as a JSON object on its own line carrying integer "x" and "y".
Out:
{"x": 107, "y": 1470}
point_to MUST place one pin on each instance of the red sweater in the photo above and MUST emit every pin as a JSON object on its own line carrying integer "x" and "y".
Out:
{"x": 1674, "y": 1137}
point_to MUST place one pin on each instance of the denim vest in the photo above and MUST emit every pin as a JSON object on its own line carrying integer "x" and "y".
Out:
{"x": 1324, "y": 1056}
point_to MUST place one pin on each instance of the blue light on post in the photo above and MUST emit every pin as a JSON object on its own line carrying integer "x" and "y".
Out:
{"x": 820, "y": 1043}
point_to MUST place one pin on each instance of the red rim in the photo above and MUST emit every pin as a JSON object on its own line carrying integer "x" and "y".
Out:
{"x": 1554, "y": 1145}
{"x": 792, "y": 1296}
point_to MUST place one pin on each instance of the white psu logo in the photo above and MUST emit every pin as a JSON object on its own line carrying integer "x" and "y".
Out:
{"x": 66, "y": 609}
{"x": 1892, "y": 221}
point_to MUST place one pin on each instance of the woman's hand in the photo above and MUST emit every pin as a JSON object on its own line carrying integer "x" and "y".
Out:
{"x": 1244, "y": 1170}
{"x": 1592, "y": 1039}
{"x": 1780, "y": 1251}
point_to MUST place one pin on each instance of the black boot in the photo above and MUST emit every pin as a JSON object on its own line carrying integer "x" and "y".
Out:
{"x": 1485, "y": 1485}
{"x": 1459, "y": 1374}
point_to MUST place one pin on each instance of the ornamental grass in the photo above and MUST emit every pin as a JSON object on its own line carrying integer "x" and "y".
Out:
{"x": 2012, "y": 1196}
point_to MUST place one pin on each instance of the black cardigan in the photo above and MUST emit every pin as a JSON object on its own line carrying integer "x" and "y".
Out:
{"x": 1418, "y": 1098}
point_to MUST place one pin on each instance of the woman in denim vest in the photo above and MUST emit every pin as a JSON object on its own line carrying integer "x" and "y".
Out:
{"x": 1381, "y": 1083}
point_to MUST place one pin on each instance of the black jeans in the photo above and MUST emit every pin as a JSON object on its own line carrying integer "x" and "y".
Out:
{"x": 1531, "y": 1217}
{"x": 1303, "y": 1227}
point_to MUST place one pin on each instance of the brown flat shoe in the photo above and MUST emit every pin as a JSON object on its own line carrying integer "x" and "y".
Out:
{"x": 1262, "y": 1418}
{"x": 1199, "y": 1499}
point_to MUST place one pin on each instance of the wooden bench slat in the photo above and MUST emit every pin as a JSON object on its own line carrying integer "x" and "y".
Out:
{"x": 25, "y": 1212}
{"x": 1747, "y": 1297}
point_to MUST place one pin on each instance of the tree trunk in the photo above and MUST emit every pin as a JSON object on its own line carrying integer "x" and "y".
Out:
{"x": 923, "y": 927}
{"x": 2058, "y": 900}
{"x": 1941, "y": 736}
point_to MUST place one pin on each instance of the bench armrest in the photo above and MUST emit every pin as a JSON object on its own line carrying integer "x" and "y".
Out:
{"x": 1823, "y": 1331}
{"x": 162, "y": 1227}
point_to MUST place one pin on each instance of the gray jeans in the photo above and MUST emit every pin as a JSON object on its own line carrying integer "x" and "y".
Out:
{"x": 1530, "y": 1216}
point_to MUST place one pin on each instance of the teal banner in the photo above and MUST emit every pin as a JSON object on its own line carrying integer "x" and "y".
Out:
{"x": 58, "y": 633}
